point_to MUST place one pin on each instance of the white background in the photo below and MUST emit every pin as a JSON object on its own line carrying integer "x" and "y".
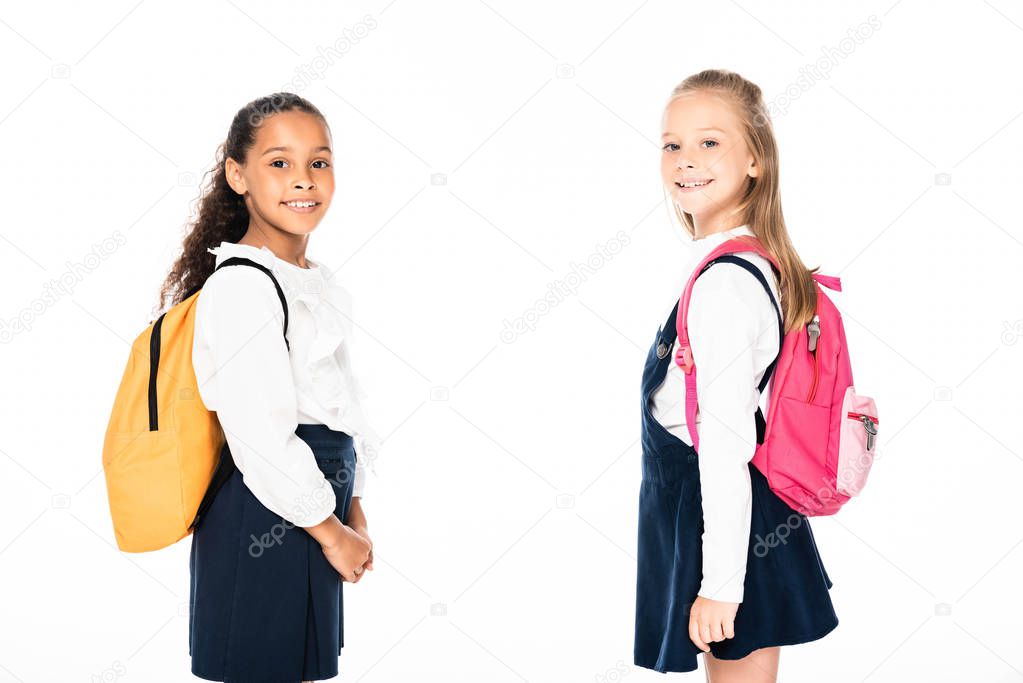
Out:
{"x": 504, "y": 510}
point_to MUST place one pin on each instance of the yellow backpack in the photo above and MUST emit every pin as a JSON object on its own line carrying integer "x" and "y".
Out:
{"x": 161, "y": 452}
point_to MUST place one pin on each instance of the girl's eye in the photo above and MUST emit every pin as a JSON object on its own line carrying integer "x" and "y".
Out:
{"x": 670, "y": 147}
{"x": 326, "y": 164}
{"x": 277, "y": 161}
{"x": 713, "y": 142}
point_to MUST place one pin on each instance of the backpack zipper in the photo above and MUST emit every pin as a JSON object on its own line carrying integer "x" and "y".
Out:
{"x": 813, "y": 330}
{"x": 869, "y": 424}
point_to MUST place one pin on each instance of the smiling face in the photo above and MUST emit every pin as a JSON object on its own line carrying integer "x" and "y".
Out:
{"x": 288, "y": 174}
{"x": 705, "y": 162}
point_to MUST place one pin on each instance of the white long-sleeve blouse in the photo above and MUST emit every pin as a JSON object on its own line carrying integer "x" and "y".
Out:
{"x": 261, "y": 391}
{"x": 733, "y": 330}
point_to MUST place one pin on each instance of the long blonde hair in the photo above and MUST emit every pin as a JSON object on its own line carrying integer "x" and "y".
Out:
{"x": 761, "y": 203}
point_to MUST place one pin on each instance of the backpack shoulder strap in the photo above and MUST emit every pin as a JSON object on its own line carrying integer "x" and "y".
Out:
{"x": 225, "y": 464}
{"x": 759, "y": 275}
{"x": 242, "y": 261}
{"x": 684, "y": 357}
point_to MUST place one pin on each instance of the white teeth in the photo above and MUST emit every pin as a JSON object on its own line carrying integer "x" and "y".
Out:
{"x": 699, "y": 184}
{"x": 301, "y": 205}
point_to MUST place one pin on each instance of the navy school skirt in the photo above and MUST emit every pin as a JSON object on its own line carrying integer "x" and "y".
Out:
{"x": 265, "y": 604}
{"x": 785, "y": 595}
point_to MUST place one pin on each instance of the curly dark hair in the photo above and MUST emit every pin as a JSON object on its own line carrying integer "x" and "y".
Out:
{"x": 222, "y": 214}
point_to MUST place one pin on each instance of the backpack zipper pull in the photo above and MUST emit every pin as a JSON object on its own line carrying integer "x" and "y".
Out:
{"x": 813, "y": 329}
{"x": 868, "y": 424}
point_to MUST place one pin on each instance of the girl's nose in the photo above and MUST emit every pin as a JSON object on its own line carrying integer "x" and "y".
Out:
{"x": 682, "y": 162}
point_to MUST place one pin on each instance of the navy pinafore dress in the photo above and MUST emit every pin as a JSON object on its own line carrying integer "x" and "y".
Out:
{"x": 265, "y": 603}
{"x": 785, "y": 595}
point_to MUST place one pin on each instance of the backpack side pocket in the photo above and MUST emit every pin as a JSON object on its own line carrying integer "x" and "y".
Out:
{"x": 857, "y": 443}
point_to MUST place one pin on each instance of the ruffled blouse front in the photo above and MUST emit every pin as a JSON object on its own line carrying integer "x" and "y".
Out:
{"x": 231, "y": 324}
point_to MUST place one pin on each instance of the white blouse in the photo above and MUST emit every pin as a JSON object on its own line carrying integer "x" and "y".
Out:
{"x": 261, "y": 391}
{"x": 733, "y": 330}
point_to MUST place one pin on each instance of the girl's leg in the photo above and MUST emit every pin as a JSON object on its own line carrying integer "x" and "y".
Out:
{"x": 759, "y": 666}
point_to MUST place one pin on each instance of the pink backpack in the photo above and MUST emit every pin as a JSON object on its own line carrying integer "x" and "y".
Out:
{"x": 820, "y": 436}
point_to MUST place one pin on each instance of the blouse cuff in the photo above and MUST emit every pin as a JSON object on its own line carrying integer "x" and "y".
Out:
{"x": 365, "y": 451}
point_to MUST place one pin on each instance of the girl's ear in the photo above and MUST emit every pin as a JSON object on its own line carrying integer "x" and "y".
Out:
{"x": 753, "y": 171}
{"x": 233, "y": 174}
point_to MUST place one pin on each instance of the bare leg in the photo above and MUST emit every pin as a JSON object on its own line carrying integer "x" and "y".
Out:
{"x": 759, "y": 666}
